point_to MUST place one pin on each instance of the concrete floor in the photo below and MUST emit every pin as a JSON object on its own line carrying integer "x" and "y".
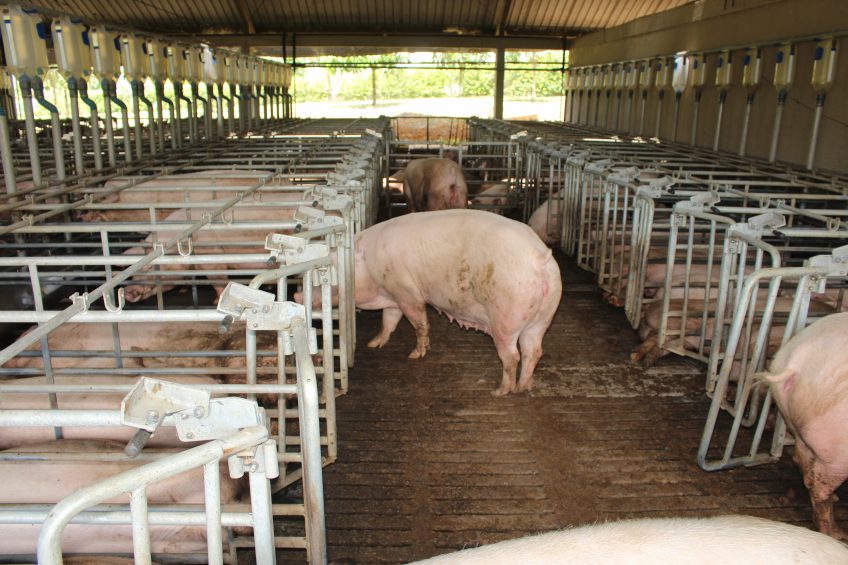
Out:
{"x": 429, "y": 462}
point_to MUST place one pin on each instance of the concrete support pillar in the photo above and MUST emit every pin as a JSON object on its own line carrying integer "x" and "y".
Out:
{"x": 500, "y": 63}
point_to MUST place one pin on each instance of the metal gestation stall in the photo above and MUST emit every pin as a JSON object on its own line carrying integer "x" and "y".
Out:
{"x": 84, "y": 52}
{"x": 296, "y": 196}
{"x": 491, "y": 167}
{"x": 740, "y": 254}
{"x": 143, "y": 226}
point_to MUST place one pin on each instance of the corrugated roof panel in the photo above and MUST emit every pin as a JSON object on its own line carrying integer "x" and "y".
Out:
{"x": 535, "y": 17}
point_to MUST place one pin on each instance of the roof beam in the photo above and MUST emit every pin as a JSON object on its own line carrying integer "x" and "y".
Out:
{"x": 248, "y": 17}
{"x": 411, "y": 41}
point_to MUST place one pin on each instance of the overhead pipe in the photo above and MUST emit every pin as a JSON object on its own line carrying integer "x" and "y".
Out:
{"x": 679, "y": 75}
{"x": 26, "y": 59}
{"x": 697, "y": 80}
{"x": 723, "y": 78}
{"x": 73, "y": 60}
{"x": 646, "y": 82}
{"x": 751, "y": 74}
{"x": 784, "y": 76}
{"x": 662, "y": 79}
{"x": 824, "y": 69}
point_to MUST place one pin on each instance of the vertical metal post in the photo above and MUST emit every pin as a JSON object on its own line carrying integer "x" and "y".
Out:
{"x": 139, "y": 151}
{"x": 32, "y": 140}
{"x": 721, "y": 98}
{"x": 778, "y": 118}
{"x": 75, "y": 124}
{"x": 140, "y": 527}
{"x": 56, "y": 126}
{"x": 263, "y": 525}
{"x": 107, "y": 111}
{"x": 82, "y": 86}
{"x": 500, "y": 65}
{"x": 814, "y": 135}
{"x": 743, "y": 140}
{"x": 6, "y": 154}
{"x": 695, "y": 113}
{"x": 212, "y": 503}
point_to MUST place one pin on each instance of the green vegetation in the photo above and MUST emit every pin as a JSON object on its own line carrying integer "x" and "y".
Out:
{"x": 404, "y": 75}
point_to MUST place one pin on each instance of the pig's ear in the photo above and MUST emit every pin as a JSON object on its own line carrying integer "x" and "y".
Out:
{"x": 785, "y": 380}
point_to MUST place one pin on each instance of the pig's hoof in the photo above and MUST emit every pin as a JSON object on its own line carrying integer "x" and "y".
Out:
{"x": 377, "y": 342}
{"x": 501, "y": 391}
{"x": 635, "y": 356}
{"x": 134, "y": 294}
{"x": 418, "y": 353}
{"x": 524, "y": 387}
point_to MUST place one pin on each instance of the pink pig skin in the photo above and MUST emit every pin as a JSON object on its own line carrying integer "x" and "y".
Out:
{"x": 486, "y": 272}
{"x": 434, "y": 184}
{"x": 809, "y": 381}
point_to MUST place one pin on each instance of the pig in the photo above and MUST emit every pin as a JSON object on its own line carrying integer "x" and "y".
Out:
{"x": 808, "y": 379}
{"x": 49, "y": 481}
{"x": 495, "y": 198}
{"x": 165, "y": 436}
{"x": 217, "y": 240}
{"x": 538, "y": 222}
{"x": 201, "y": 186}
{"x": 434, "y": 184}
{"x": 485, "y": 271}
{"x": 136, "y": 338}
{"x": 736, "y": 540}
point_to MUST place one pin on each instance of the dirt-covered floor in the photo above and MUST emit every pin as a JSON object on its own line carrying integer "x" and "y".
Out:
{"x": 429, "y": 461}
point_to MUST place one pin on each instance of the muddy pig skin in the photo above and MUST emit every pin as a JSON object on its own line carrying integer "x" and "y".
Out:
{"x": 48, "y": 482}
{"x": 724, "y": 540}
{"x": 809, "y": 381}
{"x": 485, "y": 271}
{"x": 434, "y": 184}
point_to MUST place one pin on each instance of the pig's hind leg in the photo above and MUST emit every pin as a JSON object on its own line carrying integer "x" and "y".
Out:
{"x": 821, "y": 480}
{"x": 507, "y": 346}
{"x": 391, "y": 318}
{"x": 530, "y": 342}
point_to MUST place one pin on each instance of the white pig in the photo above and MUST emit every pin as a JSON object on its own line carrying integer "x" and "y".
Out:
{"x": 538, "y": 222}
{"x": 198, "y": 187}
{"x": 809, "y": 381}
{"x": 47, "y": 481}
{"x": 485, "y": 271}
{"x": 434, "y": 184}
{"x": 495, "y": 198}
{"x": 727, "y": 540}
